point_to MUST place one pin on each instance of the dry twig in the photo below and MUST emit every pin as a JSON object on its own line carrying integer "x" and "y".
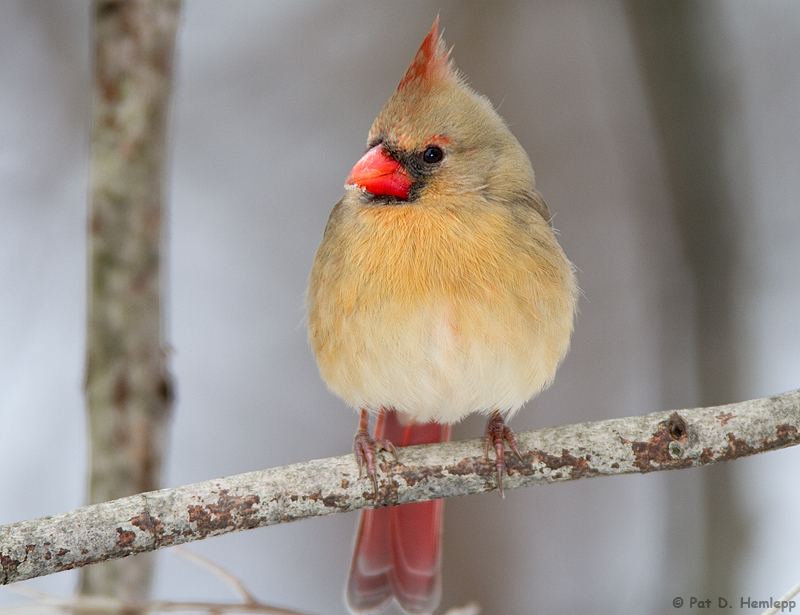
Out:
{"x": 638, "y": 444}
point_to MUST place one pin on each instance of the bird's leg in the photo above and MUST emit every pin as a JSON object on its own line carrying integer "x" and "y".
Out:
{"x": 364, "y": 447}
{"x": 497, "y": 434}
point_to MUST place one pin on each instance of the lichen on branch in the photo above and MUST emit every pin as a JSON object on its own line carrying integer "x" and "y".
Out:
{"x": 633, "y": 445}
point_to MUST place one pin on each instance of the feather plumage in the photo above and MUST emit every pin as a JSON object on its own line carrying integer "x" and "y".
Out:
{"x": 442, "y": 293}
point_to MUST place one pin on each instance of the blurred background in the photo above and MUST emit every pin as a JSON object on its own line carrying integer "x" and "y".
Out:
{"x": 665, "y": 138}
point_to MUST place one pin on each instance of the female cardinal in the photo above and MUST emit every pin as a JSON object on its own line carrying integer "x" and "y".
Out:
{"x": 439, "y": 289}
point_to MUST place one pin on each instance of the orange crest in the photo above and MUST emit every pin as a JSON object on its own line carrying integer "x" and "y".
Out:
{"x": 430, "y": 61}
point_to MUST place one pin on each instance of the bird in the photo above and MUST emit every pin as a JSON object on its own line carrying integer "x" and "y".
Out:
{"x": 439, "y": 289}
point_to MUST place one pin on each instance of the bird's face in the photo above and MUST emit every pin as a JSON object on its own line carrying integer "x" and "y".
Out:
{"x": 436, "y": 138}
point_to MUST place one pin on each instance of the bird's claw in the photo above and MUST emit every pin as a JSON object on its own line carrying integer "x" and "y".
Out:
{"x": 497, "y": 434}
{"x": 364, "y": 447}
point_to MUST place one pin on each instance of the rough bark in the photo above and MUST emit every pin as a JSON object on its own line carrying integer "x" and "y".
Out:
{"x": 128, "y": 385}
{"x": 634, "y": 445}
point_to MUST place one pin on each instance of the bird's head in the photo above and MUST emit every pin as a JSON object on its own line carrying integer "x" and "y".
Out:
{"x": 436, "y": 137}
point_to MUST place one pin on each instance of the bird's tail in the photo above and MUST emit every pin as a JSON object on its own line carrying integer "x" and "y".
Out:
{"x": 399, "y": 549}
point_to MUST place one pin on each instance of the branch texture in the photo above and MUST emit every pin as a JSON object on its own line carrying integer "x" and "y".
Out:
{"x": 638, "y": 444}
{"x": 128, "y": 384}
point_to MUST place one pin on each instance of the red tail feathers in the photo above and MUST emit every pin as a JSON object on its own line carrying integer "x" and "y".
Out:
{"x": 399, "y": 549}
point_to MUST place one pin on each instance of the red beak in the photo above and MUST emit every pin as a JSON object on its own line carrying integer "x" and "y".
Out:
{"x": 377, "y": 172}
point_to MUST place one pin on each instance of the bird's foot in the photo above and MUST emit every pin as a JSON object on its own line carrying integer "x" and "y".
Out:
{"x": 497, "y": 434}
{"x": 364, "y": 448}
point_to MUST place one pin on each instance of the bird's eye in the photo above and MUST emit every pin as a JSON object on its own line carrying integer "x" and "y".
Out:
{"x": 432, "y": 154}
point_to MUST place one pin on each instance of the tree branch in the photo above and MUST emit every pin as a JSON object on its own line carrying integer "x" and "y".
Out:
{"x": 149, "y": 521}
{"x": 128, "y": 384}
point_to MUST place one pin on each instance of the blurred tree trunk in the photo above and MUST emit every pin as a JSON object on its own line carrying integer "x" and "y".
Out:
{"x": 128, "y": 384}
{"x": 686, "y": 102}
